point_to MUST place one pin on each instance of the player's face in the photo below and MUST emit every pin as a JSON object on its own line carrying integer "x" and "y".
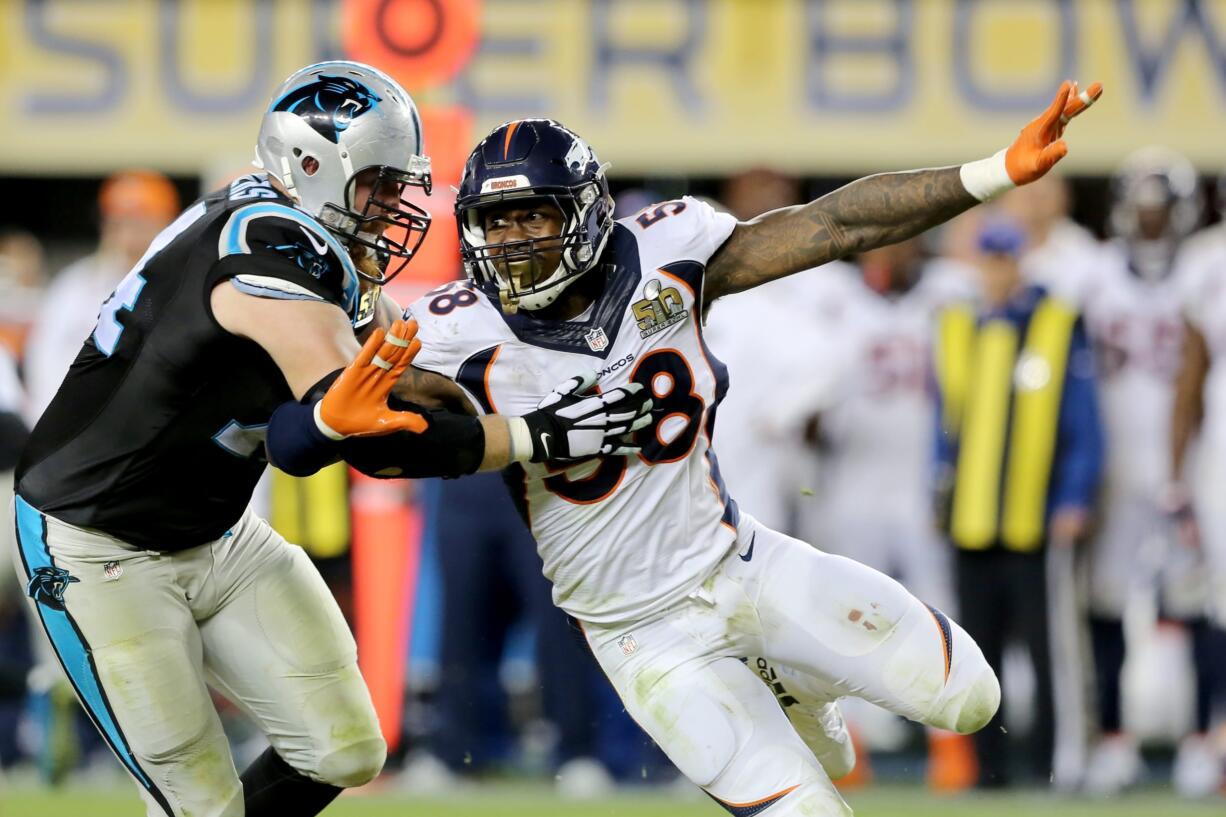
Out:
{"x": 893, "y": 267}
{"x": 1152, "y": 222}
{"x": 1000, "y": 276}
{"x": 370, "y": 195}
{"x": 539, "y": 222}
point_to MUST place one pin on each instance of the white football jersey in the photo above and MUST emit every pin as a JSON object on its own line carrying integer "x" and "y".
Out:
{"x": 1137, "y": 331}
{"x": 1065, "y": 264}
{"x": 877, "y": 411}
{"x": 769, "y": 339}
{"x": 1201, "y": 276}
{"x": 12, "y": 398}
{"x": 66, "y": 319}
{"x": 620, "y": 537}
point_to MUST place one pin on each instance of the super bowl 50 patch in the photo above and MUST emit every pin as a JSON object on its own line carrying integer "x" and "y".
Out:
{"x": 660, "y": 308}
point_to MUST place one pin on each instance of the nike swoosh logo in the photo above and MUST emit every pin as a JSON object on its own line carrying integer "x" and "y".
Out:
{"x": 545, "y": 443}
{"x": 748, "y": 554}
{"x": 321, "y": 247}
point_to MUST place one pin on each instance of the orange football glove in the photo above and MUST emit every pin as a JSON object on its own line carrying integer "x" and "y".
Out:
{"x": 356, "y": 403}
{"x": 1039, "y": 146}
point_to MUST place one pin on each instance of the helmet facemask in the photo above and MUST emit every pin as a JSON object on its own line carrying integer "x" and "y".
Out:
{"x": 532, "y": 273}
{"x": 389, "y": 228}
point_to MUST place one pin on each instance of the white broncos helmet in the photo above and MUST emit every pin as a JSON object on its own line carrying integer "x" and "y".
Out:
{"x": 333, "y": 121}
{"x": 1156, "y": 205}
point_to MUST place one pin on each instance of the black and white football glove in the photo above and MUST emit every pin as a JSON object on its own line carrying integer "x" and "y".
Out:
{"x": 573, "y": 422}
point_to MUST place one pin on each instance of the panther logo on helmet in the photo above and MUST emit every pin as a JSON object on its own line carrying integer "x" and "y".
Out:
{"x": 329, "y": 104}
{"x": 47, "y": 586}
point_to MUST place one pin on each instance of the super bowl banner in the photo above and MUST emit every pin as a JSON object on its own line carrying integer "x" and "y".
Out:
{"x": 657, "y": 86}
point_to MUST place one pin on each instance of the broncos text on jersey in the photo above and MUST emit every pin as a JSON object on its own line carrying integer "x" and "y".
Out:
{"x": 620, "y": 537}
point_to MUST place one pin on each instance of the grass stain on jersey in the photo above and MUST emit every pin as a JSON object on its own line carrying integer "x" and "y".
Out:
{"x": 744, "y": 620}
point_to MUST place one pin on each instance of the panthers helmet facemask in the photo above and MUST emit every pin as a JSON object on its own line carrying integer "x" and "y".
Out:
{"x": 1155, "y": 207}
{"x": 519, "y": 162}
{"x": 333, "y": 124}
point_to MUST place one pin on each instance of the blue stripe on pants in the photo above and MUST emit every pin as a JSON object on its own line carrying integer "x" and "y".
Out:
{"x": 71, "y": 648}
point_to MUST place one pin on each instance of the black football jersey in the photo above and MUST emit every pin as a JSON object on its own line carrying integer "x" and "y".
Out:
{"x": 156, "y": 435}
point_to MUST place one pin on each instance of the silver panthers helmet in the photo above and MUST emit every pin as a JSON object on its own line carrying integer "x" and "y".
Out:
{"x": 330, "y": 123}
{"x": 1155, "y": 205}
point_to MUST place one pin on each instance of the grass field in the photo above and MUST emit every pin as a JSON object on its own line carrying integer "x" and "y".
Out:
{"x": 535, "y": 801}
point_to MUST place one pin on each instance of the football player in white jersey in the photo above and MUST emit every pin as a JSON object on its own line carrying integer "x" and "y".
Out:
{"x": 867, "y": 394}
{"x": 133, "y": 207}
{"x": 684, "y": 601}
{"x": 875, "y": 420}
{"x": 1198, "y": 482}
{"x": 1058, "y": 249}
{"x": 763, "y": 465}
{"x": 1133, "y": 312}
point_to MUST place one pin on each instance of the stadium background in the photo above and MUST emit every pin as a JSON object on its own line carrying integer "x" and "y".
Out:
{"x": 676, "y": 94}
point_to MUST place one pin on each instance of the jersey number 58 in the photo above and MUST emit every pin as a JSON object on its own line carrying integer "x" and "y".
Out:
{"x": 677, "y": 421}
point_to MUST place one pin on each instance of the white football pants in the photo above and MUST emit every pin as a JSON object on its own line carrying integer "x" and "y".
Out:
{"x": 844, "y": 627}
{"x": 1134, "y": 550}
{"x": 140, "y": 632}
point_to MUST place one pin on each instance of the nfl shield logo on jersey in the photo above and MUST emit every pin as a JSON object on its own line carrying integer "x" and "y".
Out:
{"x": 628, "y": 644}
{"x": 112, "y": 570}
{"x": 597, "y": 340}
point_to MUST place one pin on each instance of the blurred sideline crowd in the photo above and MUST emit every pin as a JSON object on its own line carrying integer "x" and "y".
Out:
{"x": 1022, "y": 421}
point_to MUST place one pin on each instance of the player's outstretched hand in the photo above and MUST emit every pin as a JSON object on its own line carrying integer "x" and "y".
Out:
{"x": 573, "y": 421}
{"x": 1039, "y": 146}
{"x": 356, "y": 403}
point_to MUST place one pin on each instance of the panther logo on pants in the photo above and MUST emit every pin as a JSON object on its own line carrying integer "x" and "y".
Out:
{"x": 48, "y": 584}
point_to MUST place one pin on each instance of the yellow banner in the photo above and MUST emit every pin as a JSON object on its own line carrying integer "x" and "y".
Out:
{"x": 657, "y": 86}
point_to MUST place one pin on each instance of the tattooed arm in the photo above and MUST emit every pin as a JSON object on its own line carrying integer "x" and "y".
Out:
{"x": 870, "y": 212}
{"x": 432, "y": 391}
{"x": 886, "y": 208}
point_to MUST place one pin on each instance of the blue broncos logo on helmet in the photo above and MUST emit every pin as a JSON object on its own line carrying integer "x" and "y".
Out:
{"x": 47, "y": 586}
{"x": 329, "y": 104}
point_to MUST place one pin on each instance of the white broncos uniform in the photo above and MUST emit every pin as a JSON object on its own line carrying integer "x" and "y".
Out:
{"x": 1200, "y": 274}
{"x": 875, "y": 497}
{"x": 674, "y": 587}
{"x": 1137, "y": 330}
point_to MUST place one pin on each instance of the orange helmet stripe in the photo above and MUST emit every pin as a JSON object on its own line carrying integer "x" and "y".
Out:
{"x": 506, "y": 141}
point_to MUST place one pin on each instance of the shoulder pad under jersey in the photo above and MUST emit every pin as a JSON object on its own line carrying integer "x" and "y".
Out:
{"x": 273, "y": 250}
{"x": 454, "y": 322}
{"x": 687, "y": 228}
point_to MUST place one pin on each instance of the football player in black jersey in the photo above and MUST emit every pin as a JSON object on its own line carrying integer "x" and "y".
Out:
{"x": 232, "y": 343}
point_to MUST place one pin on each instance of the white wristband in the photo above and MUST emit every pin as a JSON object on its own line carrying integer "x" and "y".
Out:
{"x": 520, "y": 439}
{"x": 987, "y": 178}
{"x": 323, "y": 427}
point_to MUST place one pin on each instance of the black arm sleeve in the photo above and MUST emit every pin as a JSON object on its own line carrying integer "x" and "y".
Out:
{"x": 452, "y": 445}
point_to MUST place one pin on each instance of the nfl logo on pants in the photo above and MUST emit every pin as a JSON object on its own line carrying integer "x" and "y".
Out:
{"x": 628, "y": 644}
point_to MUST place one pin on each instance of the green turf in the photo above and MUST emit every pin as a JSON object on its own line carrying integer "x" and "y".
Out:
{"x": 532, "y": 801}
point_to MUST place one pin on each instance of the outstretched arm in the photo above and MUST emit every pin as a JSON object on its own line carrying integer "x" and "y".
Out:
{"x": 888, "y": 207}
